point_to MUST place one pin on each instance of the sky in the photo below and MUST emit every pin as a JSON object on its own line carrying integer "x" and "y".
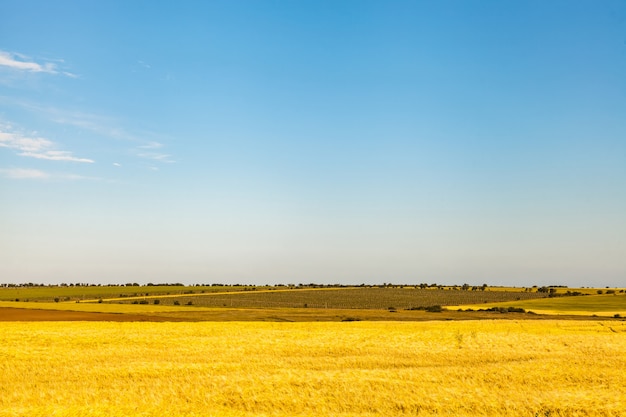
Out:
{"x": 350, "y": 142}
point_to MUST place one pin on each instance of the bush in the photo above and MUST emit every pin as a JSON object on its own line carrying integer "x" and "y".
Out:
{"x": 176, "y": 303}
{"x": 434, "y": 309}
{"x": 156, "y": 301}
{"x": 56, "y": 300}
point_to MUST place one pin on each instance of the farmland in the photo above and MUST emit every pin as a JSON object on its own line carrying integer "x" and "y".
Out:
{"x": 310, "y": 351}
{"x": 224, "y": 303}
{"x": 605, "y": 305}
{"x": 486, "y": 368}
{"x": 341, "y": 298}
{"x": 86, "y": 292}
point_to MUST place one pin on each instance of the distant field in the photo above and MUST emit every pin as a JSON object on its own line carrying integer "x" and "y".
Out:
{"x": 199, "y": 303}
{"x": 474, "y": 368}
{"x": 74, "y": 293}
{"x": 605, "y": 305}
{"x": 343, "y": 298}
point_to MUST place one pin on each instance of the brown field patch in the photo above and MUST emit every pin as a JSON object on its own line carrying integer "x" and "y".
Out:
{"x": 28, "y": 314}
{"x": 271, "y": 315}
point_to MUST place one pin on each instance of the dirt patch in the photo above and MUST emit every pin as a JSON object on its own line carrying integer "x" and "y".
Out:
{"x": 27, "y": 314}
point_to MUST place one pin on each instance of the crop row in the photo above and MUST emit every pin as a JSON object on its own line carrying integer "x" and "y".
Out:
{"x": 355, "y": 298}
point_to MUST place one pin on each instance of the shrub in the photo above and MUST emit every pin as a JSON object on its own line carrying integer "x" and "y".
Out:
{"x": 176, "y": 303}
{"x": 434, "y": 309}
{"x": 156, "y": 301}
{"x": 56, "y": 300}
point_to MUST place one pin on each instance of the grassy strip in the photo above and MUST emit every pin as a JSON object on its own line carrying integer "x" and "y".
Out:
{"x": 601, "y": 305}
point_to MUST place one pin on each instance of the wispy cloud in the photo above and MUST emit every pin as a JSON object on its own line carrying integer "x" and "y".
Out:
{"x": 159, "y": 157}
{"x": 151, "y": 145}
{"x": 56, "y": 156}
{"x": 145, "y": 144}
{"x": 36, "y": 174}
{"x": 93, "y": 123}
{"x": 24, "y": 173}
{"x": 35, "y": 147}
{"x": 147, "y": 152}
{"x": 21, "y": 62}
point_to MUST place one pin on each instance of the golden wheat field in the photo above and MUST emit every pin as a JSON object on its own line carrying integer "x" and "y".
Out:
{"x": 475, "y": 368}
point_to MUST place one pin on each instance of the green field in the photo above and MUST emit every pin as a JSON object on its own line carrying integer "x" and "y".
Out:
{"x": 342, "y": 298}
{"x": 205, "y": 301}
{"x": 601, "y": 305}
{"x": 84, "y": 292}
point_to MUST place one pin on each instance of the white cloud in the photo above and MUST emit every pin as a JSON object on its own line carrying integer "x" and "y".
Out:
{"x": 151, "y": 145}
{"x": 26, "y": 144}
{"x": 117, "y": 164}
{"x": 24, "y": 173}
{"x": 35, "y": 147}
{"x": 159, "y": 157}
{"x": 36, "y": 174}
{"x": 21, "y": 62}
{"x": 56, "y": 156}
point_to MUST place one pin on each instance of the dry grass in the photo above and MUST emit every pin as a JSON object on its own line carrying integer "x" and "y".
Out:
{"x": 484, "y": 368}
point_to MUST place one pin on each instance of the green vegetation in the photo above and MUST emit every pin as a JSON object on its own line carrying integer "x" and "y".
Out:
{"x": 605, "y": 304}
{"x": 79, "y": 292}
{"x": 166, "y": 299}
{"x": 345, "y": 298}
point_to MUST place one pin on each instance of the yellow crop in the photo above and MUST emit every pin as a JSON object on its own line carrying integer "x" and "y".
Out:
{"x": 479, "y": 368}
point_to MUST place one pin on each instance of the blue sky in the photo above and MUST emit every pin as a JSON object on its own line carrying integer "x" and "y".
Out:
{"x": 311, "y": 141}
